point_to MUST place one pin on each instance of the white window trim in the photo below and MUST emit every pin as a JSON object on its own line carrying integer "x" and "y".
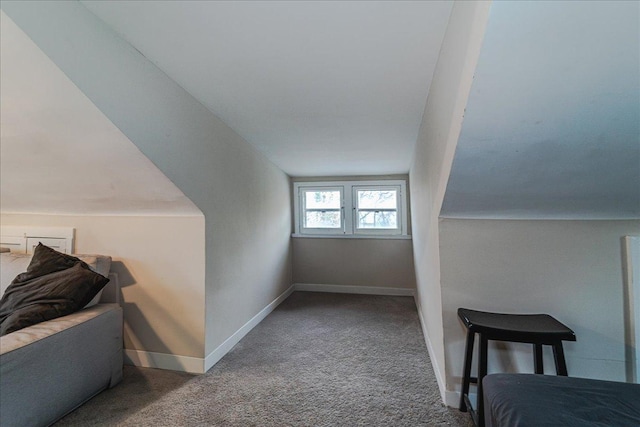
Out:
{"x": 393, "y": 231}
{"x": 349, "y": 229}
{"x": 300, "y": 209}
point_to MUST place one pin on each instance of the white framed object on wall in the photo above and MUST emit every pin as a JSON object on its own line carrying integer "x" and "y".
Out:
{"x": 631, "y": 274}
{"x": 23, "y": 239}
{"x": 351, "y": 209}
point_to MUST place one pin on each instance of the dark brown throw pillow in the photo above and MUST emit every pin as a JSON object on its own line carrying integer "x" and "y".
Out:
{"x": 38, "y": 295}
{"x": 46, "y": 260}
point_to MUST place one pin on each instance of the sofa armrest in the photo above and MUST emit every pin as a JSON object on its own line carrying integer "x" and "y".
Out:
{"x": 49, "y": 369}
{"x": 39, "y": 331}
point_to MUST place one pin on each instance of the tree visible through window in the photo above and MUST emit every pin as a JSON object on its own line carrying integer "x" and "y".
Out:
{"x": 323, "y": 209}
{"x": 357, "y": 208}
{"x": 377, "y": 209}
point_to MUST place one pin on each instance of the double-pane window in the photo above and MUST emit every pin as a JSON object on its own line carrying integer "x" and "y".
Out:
{"x": 322, "y": 208}
{"x": 356, "y": 208}
{"x": 376, "y": 208}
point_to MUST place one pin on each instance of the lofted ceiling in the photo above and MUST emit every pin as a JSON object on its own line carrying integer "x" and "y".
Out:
{"x": 324, "y": 88}
{"x": 52, "y": 134}
{"x": 321, "y": 88}
{"x": 552, "y": 124}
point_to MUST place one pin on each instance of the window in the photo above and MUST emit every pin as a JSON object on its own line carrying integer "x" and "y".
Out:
{"x": 350, "y": 208}
{"x": 376, "y": 209}
{"x": 322, "y": 207}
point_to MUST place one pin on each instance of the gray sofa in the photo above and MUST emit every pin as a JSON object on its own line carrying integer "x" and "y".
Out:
{"x": 51, "y": 368}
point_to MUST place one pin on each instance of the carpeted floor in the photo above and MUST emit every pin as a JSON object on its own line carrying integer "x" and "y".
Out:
{"x": 318, "y": 360}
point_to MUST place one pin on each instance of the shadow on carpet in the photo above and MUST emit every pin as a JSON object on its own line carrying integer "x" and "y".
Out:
{"x": 318, "y": 360}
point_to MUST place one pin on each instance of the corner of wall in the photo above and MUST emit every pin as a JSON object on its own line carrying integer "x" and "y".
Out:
{"x": 431, "y": 165}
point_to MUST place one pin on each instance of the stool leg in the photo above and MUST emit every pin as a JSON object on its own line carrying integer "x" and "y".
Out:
{"x": 537, "y": 360}
{"x": 558, "y": 355}
{"x": 482, "y": 372}
{"x": 466, "y": 377}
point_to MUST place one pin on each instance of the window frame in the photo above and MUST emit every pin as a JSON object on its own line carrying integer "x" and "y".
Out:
{"x": 302, "y": 210}
{"x": 377, "y": 231}
{"x": 349, "y": 208}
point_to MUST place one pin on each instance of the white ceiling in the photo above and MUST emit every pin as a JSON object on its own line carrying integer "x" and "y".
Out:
{"x": 321, "y": 88}
{"x": 552, "y": 125}
{"x": 59, "y": 153}
{"x": 551, "y": 128}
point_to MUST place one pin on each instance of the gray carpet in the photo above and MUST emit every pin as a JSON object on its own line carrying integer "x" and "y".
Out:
{"x": 318, "y": 360}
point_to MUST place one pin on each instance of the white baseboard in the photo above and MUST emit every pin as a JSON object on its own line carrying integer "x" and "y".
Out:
{"x": 174, "y": 362}
{"x": 446, "y": 399}
{"x": 149, "y": 359}
{"x": 199, "y": 365}
{"x": 350, "y": 289}
{"x": 452, "y": 399}
{"x": 449, "y": 398}
{"x": 226, "y": 346}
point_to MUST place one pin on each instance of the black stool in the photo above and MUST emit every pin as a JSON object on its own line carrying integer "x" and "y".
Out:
{"x": 537, "y": 329}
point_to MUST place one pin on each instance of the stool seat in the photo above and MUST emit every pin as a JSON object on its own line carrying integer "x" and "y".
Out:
{"x": 536, "y": 329}
{"x": 527, "y": 328}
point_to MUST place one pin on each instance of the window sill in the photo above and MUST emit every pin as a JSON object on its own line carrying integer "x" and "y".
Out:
{"x": 353, "y": 236}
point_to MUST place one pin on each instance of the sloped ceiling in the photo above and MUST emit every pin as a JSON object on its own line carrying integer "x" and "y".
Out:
{"x": 551, "y": 128}
{"x": 321, "y": 87}
{"x": 59, "y": 154}
{"x": 552, "y": 125}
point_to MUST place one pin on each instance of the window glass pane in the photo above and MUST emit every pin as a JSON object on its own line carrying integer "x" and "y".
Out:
{"x": 377, "y": 199}
{"x": 322, "y": 219}
{"x": 377, "y": 219}
{"x": 322, "y": 199}
{"x": 350, "y": 208}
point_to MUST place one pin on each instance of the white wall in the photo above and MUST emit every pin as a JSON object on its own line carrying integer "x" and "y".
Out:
{"x": 160, "y": 264}
{"x": 571, "y": 270}
{"x": 377, "y": 263}
{"x": 381, "y": 263}
{"x": 244, "y": 197}
{"x": 552, "y": 125}
{"x": 60, "y": 156}
{"x": 59, "y": 153}
{"x": 433, "y": 156}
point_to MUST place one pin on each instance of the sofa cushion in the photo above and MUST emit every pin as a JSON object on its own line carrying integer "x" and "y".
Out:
{"x": 100, "y": 264}
{"x": 54, "y": 285}
{"x": 13, "y": 264}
